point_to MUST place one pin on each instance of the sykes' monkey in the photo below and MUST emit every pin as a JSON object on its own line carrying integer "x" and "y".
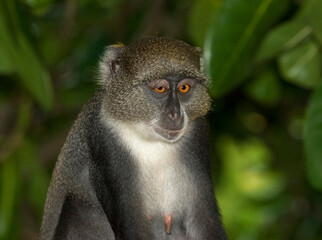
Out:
{"x": 135, "y": 165}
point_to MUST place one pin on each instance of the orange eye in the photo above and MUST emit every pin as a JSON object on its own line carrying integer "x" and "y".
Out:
{"x": 184, "y": 88}
{"x": 159, "y": 89}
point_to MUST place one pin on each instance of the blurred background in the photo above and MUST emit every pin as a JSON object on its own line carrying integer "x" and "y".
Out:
{"x": 264, "y": 58}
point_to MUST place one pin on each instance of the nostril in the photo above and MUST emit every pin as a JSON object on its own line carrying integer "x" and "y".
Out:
{"x": 172, "y": 117}
{"x": 175, "y": 116}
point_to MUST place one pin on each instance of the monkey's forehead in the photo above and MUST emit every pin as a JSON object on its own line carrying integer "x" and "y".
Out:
{"x": 146, "y": 71}
{"x": 161, "y": 49}
{"x": 162, "y": 71}
{"x": 159, "y": 57}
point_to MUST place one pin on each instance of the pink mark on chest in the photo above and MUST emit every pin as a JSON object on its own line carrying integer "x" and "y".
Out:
{"x": 168, "y": 223}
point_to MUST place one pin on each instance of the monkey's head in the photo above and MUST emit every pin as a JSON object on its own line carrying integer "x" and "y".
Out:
{"x": 157, "y": 82}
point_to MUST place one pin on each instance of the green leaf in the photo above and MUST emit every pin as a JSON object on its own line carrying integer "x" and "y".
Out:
{"x": 6, "y": 66}
{"x": 313, "y": 139}
{"x": 6, "y": 46}
{"x": 200, "y": 18}
{"x": 37, "y": 181}
{"x": 284, "y": 37}
{"x": 265, "y": 88}
{"x": 77, "y": 96}
{"x": 34, "y": 76}
{"x": 21, "y": 58}
{"x": 234, "y": 37}
{"x": 302, "y": 65}
{"x": 311, "y": 13}
{"x": 39, "y": 7}
{"x": 9, "y": 184}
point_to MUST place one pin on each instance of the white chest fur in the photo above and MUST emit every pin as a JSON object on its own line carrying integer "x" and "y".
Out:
{"x": 165, "y": 184}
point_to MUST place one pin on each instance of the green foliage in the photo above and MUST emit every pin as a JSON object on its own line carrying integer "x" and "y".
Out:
{"x": 19, "y": 57}
{"x": 292, "y": 44}
{"x": 39, "y": 7}
{"x": 201, "y": 16}
{"x": 301, "y": 65}
{"x": 282, "y": 38}
{"x": 234, "y": 37}
{"x": 240, "y": 56}
{"x": 313, "y": 139}
{"x": 9, "y": 181}
{"x": 247, "y": 174}
{"x": 265, "y": 88}
{"x": 311, "y": 14}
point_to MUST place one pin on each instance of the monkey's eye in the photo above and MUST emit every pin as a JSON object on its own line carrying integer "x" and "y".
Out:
{"x": 184, "y": 88}
{"x": 160, "y": 89}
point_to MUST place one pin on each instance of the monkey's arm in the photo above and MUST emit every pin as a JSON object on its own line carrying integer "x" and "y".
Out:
{"x": 72, "y": 210}
{"x": 54, "y": 202}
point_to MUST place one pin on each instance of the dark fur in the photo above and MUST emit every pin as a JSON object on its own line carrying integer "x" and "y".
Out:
{"x": 94, "y": 193}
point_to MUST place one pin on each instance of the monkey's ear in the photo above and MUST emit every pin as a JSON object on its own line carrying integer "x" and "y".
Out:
{"x": 110, "y": 63}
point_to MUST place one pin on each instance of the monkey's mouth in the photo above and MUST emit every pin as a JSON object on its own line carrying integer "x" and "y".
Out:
{"x": 170, "y": 135}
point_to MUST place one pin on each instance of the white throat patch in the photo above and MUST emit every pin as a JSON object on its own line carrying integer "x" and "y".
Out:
{"x": 165, "y": 182}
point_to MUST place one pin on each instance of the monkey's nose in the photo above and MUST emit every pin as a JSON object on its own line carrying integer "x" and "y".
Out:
{"x": 175, "y": 117}
{"x": 172, "y": 116}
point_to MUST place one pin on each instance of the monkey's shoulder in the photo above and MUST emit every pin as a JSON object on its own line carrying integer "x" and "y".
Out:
{"x": 76, "y": 149}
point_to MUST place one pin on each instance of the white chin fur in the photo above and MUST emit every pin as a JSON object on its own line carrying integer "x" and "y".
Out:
{"x": 152, "y": 132}
{"x": 167, "y": 135}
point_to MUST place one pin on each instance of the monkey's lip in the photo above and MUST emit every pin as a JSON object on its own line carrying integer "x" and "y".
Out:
{"x": 170, "y": 135}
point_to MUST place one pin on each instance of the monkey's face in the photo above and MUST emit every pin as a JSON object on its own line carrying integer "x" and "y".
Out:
{"x": 170, "y": 95}
{"x": 157, "y": 85}
{"x": 173, "y": 98}
{"x": 163, "y": 108}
